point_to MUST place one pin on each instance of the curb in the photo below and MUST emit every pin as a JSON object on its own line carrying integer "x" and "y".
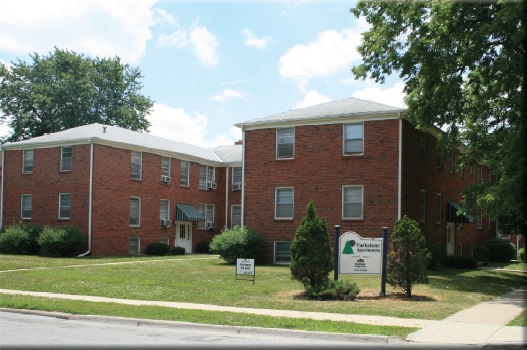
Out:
{"x": 55, "y": 314}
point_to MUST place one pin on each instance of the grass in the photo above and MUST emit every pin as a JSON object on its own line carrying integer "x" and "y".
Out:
{"x": 197, "y": 316}
{"x": 512, "y": 265}
{"x": 210, "y": 281}
{"x": 520, "y": 321}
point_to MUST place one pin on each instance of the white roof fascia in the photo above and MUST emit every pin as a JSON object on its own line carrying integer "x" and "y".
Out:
{"x": 25, "y": 146}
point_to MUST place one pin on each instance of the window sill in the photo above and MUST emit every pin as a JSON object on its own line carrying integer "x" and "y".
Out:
{"x": 136, "y": 179}
{"x": 64, "y": 218}
{"x": 65, "y": 171}
{"x": 285, "y": 158}
{"x": 283, "y": 219}
{"x": 27, "y": 173}
{"x": 353, "y": 154}
{"x": 187, "y": 186}
{"x": 353, "y": 219}
{"x": 25, "y": 218}
{"x": 135, "y": 225}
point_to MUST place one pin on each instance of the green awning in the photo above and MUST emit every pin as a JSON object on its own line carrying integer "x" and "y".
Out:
{"x": 454, "y": 210}
{"x": 187, "y": 212}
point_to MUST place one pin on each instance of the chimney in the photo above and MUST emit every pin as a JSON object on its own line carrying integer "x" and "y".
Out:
{"x": 104, "y": 129}
{"x": 239, "y": 142}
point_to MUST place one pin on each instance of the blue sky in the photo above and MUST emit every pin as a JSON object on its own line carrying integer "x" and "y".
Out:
{"x": 207, "y": 64}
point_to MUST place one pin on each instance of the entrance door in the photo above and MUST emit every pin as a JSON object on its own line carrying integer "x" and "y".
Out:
{"x": 184, "y": 235}
{"x": 450, "y": 238}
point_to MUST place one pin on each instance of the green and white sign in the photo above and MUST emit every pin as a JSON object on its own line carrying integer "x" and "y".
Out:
{"x": 357, "y": 255}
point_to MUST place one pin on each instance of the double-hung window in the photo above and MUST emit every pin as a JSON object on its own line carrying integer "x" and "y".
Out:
{"x": 480, "y": 173}
{"x": 27, "y": 162}
{"x": 422, "y": 206}
{"x": 439, "y": 208}
{"x": 165, "y": 168}
{"x": 352, "y": 199}
{"x": 284, "y": 203}
{"x": 136, "y": 165}
{"x": 135, "y": 211}
{"x": 236, "y": 215}
{"x": 64, "y": 205}
{"x": 353, "y": 138}
{"x": 66, "y": 158}
{"x": 285, "y": 143}
{"x": 207, "y": 210}
{"x": 236, "y": 178}
{"x": 164, "y": 209}
{"x": 451, "y": 165}
{"x": 27, "y": 205}
{"x": 207, "y": 177}
{"x": 423, "y": 146}
{"x": 184, "y": 175}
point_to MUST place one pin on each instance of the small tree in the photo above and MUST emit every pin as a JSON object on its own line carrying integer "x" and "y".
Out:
{"x": 311, "y": 259}
{"x": 408, "y": 258}
{"x": 237, "y": 243}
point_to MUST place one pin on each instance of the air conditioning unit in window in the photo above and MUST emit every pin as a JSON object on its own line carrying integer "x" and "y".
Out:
{"x": 236, "y": 186}
{"x": 210, "y": 225}
{"x": 165, "y": 179}
{"x": 168, "y": 223}
{"x": 211, "y": 185}
{"x": 163, "y": 223}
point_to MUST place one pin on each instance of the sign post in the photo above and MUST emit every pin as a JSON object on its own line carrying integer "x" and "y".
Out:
{"x": 336, "y": 271}
{"x": 384, "y": 253}
{"x": 245, "y": 267}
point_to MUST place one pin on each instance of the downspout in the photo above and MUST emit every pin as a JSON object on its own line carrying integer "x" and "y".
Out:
{"x": 90, "y": 202}
{"x": 399, "y": 181}
{"x": 2, "y": 199}
{"x": 226, "y": 195}
{"x": 243, "y": 177}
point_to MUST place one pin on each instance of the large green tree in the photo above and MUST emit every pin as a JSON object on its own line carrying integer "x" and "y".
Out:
{"x": 463, "y": 64}
{"x": 66, "y": 89}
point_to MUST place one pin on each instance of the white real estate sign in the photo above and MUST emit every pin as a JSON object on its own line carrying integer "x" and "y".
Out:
{"x": 245, "y": 267}
{"x": 359, "y": 255}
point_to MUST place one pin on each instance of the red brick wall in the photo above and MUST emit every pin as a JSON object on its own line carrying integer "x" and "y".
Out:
{"x": 318, "y": 172}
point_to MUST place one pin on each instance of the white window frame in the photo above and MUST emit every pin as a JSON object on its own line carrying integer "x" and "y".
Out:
{"x": 208, "y": 177}
{"x": 451, "y": 165}
{"x": 237, "y": 169}
{"x": 187, "y": 184}
{"x": 472, "y": 249}
{"x": 470, "y": 170}
{"x": 30, "y": 196}
{"x": 207, "y": 210}
{"x": 422, "y": 206}
{"x": 423, "y": 156}
{"x": 61, "y": 207}
{"x": 163, "y": 166}
{"x": 167, "y": 203}
{"x": 62, "y": 158}
{"x": 132, "y": 174}
{"x": 165, "y": 240}
{"x": 479, "y": 219}
{"x": 138, "y": 239}
{"x": 25, "y": 157}
{"x": 138, "y": 199}
{"x": 344, "y": 217}
{"x": 278, "y": 189}
{"x": 460, "y": 249}
{"x": 281, "y": 262}
{"x": 344, "y": 152}
{"x": 439, "y": 208}
{"x": 237, "y": 206}
{"x": 278, "y": 156}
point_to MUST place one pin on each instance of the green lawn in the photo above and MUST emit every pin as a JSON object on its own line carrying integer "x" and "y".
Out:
{"x": 512, "y": 265}
{"x": 520, "y": 321}
{"x": 210, "y": 281}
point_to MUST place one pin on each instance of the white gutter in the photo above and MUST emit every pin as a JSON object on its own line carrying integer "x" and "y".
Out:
{"x": 243, "y": 176}
{"x": 2, "y": 197}
{"x": 399, "y": 181}
{"x": 226, "y": 195}
{"x": 90, "y": 202}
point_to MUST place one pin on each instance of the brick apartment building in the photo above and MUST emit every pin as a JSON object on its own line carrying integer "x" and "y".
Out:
{"x": 362, "y": 163}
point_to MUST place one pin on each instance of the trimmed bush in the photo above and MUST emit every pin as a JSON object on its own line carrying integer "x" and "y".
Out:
{"x": 178, "y": 251}
{"x": 521, "y": 254}
{"x": 482, "y": 254}
{"x": 334, "y": 290}
{"x": 237, "y": 242}
{"x": 450, "y": 261}
{"x": 203, "y": 247}
{"x": 500, "y": 250}
{"x": 63, "y": 241}
{"x": 15, "y": 240}
{"x": 158, "y": 248}
{"x": 435, "y": 259}
{"x": 460, "y": 262}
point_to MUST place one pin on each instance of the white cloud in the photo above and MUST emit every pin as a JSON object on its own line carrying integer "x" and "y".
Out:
{"x": 332, "y": 52}
{"x": 392, "y": 96}
{"x": 205, "y": 46}
{"x": 252, "y": 40}
{"x": 95, "y": 27}
{"x": 178, "y": 39}
{"x": 163, "y": 17}
{"x": 312, "y": 98}
{"x": 228, "y": 94}
{"x": 6, "y": 64}
{"x": 175, "y": 124}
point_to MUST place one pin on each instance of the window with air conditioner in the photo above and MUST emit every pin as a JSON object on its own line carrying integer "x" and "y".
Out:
{"x": 207, "y": 179}
{"x": 165, "y": 169}
{"x": 164, "y": 212}
{"x": 207, "y": 211}
{"x": 236, "y": 178}
{"x": 236, "y": 215}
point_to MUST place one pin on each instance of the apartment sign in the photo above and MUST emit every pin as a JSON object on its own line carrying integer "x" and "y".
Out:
{"x": 361, "y": 256}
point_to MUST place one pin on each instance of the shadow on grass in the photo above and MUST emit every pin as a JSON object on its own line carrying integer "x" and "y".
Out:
{"x": 489, "y": 283}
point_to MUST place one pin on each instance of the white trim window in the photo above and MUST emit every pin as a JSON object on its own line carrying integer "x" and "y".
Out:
{"x": 206, "y": 176}
{"x": 285, "y": 143}
{"x": 236, "y": 178}
{"x": 282, "y": 252}
{"x": 165, "y": 166}
{"x": 66, "y": 157}
{"x": 284, "y": 199}
{"x": 353, "y": 139}
{"x": 207, "y": 210}
{"x": 164, "y": 209}
{"x": 439, "y": 208}
{"x": 480, "y": 173}
{"x": 352, "y": 202}
{"x": 236, "y": 215}
{"x": 451, "y": 165}
{"x": 423, "y": 146}
{"x": 460, "y": 249}
{"x": 134, "y": 245}
{"x": 470, "y": 170}
{"x": 27, "y": 161}
{"x": 64, "y": 206}
{"x": 135, "y": 211}
{"x": 164, "y": 240}
{"x": 184, "y": 176}
{"x": 136, "y": 165}
{"x": 479, "y": 219}
{"x": 472, "y": 249}
{"x": 26, "y": 206}
{"x": 422, "y": 206}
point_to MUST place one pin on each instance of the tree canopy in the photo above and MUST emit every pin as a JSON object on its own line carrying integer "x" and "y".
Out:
{"x": 66, "y": 89}
{"x": 463, "y": 64}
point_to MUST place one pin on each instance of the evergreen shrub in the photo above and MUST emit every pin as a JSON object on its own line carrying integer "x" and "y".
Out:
{"x": 237, "y": 243}
{"x": 203, "y": 247}
{"x": 158, "y": 248}
{"x": 435, "y": 256}
{"x": 15, "y": 240}
{"x": 178, "y": 251}
{"x": 34, "y": 233}
{"x": 63, "y": 241}
{"x": 521, "y": 254}
{"x": 482, "y": 254}
{"x": 500, "y": 250}
{"x": 334, "y": 290}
